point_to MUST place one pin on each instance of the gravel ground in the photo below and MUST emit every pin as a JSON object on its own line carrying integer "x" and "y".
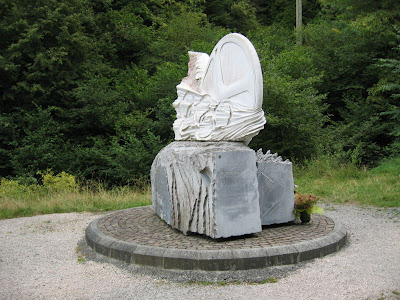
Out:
{"x": 40, "y": 259}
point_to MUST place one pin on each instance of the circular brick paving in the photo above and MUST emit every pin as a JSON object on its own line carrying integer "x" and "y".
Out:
{"x": 138, "y": 235}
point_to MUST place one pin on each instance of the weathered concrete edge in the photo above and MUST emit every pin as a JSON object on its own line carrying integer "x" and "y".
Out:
{"x": 214, "y": 260}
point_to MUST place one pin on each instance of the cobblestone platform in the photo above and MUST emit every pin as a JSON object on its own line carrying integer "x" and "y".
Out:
{"x": 139, "y": 236}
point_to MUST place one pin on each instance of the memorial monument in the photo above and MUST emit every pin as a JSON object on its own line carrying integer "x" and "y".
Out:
{"x": 208, "y": 181}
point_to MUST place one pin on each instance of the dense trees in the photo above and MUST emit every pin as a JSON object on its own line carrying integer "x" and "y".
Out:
{"x": 87, "y": 85}
{"x": 347, "y": 44}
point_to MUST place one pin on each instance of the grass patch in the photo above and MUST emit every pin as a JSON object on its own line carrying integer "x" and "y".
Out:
{"x": 325, "y": 177}
{"x": 331, "y": 180}
{"x": 81, "y": 260}
{"x": 22, "y": 200}
{"x": 268, "y": 280}
{"x": 81, "y": 257}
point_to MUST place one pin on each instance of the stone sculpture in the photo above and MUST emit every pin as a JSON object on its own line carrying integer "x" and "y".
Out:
{"x": 207, "y": 187}
{"x": 276, "y": 188}
{"x": 207, "y": 180}
{"x": 221, "y": 98}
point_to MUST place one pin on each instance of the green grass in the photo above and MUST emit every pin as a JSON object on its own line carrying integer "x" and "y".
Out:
{"x": 268, "y": 280}
{"x": 343, "y": 182}
{"x": 325, "y": 177}
{"x": 19, "y": 200}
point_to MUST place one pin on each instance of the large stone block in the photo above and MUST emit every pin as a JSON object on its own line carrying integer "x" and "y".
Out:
{"x": 207, "y": 187}
{"x": 276, "y": 189}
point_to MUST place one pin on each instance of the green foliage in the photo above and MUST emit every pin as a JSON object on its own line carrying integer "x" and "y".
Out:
{"x": 387, "y": 91}
{"x": 361, "y": 136}
{"x": 268, "y": 280}
{"x": 13, "y": 189}
{"x": 345, "y": 48}
{"x": 130, "y": 158}
{"x": 131, "y": 37}
{"x": 389, "y": 166}
{"x": 354, "y": 9}
{"x": 8, "y": 137}
{"x": 340, "y": 52}
{"x": 61, "y": 182}
{"x": 179, "y": 33}
{"x": 283, "y": 12}
{"x": 41, "y": 146}
{"x": 239, "y": 16}
{"x": 97, "y": 107}
{"x": 333, "y": 180}
{"x": 87, "y": 86}
{"x": 48, "y": 49}
{"x": 61, "y": 193}
{"x": 293, "y": 106}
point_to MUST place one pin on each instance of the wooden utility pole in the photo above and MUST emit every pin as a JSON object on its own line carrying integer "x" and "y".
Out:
{"x": 299, "y": 25}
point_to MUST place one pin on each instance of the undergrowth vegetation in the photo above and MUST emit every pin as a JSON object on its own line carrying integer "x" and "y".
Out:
{"x": 61, "y": 193}
{"x": 333, "y": 180}
{"x": 326, "y": 177}
{"x": 87, "y": 90}
{"x": 87, "y": 86}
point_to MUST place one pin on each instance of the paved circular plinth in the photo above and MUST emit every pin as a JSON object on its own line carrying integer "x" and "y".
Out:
{"x": 139, "y": 236}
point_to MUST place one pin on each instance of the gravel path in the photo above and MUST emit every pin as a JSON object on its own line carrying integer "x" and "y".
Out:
{"x": 39, "y": 259}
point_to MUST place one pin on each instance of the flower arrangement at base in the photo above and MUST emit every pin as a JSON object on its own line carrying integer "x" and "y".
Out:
{"x": 304, "y": 206}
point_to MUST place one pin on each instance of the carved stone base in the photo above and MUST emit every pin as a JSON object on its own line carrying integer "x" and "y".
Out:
{"x": 276, "y": 189}
{"x": 207, "y": 187}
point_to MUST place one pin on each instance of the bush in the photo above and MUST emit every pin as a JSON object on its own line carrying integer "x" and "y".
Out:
{"x": 293, "y": 106}
{"x": 62, "y": 182}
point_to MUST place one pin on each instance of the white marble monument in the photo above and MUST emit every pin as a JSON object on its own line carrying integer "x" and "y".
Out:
{"x": 221, "y": 98}
{"x": 206, "y": 181}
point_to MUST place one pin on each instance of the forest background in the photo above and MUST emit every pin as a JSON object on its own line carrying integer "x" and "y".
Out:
{"x": 87, "y": 85}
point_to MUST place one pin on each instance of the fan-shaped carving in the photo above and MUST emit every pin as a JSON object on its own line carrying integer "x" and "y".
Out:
{"x": 221, "y": 98}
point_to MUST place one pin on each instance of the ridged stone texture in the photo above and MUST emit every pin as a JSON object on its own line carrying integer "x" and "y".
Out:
{"x": 209, "y": 188}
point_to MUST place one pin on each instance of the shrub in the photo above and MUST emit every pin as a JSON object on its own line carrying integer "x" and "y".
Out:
{"x": 61, "y": 182}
